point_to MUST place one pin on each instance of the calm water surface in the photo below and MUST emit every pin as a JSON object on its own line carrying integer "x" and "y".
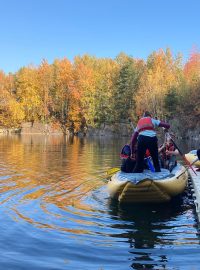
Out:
{"x": 56, "y": 213}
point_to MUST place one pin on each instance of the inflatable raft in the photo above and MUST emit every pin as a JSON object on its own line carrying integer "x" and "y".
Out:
{"x": 191, "y": 156}
{"x": 154, "y": 187}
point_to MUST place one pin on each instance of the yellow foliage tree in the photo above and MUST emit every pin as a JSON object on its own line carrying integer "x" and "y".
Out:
{"x": 27, "y": 92}
{"x": 45, "y": 84}
{"x": 64, "y": 94}
{"x": 159, "y": 77}
{"x": 85, "y": 83}
{"x": 11, "y": 112}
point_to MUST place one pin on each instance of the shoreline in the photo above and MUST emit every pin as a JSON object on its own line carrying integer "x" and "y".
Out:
{"x": 105, "y": 130}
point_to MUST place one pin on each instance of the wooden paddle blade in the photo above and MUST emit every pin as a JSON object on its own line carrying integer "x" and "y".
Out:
{"x": 112, "y": 171}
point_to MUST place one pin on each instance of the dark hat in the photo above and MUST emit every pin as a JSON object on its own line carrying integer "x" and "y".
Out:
{"x": 146, "y": 114}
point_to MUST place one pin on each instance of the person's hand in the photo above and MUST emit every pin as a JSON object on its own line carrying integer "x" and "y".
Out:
{"x": 165, "y": 130}
{"x": 167, "y": 152}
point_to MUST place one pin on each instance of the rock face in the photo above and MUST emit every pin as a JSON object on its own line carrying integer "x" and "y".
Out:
{"x": 39, "y": 128}
{"x": 185, "y": 130}
{"x": 115, "y": 130}
{"x": 193, "y": 134}
{"x": 3, "y": 130}
{"x": 10, "y": 130}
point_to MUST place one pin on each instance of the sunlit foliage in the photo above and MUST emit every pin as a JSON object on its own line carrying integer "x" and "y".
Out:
{"x": 11, "y": 113}
{"x": 91, "y": 91}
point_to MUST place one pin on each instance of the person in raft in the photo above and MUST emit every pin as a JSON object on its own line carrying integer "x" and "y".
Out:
{"x": 146, "y": 138}
{"x": 129, "y": 160}
{"x": 168, "y": 153}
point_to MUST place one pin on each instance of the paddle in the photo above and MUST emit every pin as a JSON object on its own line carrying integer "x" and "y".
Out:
{"x": 112, "y": 171}
{"x": 181, "y": 154}
{"x": 188, "y": 167}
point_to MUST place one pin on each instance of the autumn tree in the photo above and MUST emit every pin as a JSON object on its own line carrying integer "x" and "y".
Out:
{"x": 162, "y": 73}
{"x": 64, "y": 95}
{"x": 85, "y": 84}
{"x": 126, "y": 86}
{"x": 192, "y": 69}
{"x": 105, "y": 74}
{"x": 27, "y": 93}
{"x": 190, "y": 94}
{"x": 171, "y": 103}
{"x": 45, "y": 84}
{"x": 11, "y": 112}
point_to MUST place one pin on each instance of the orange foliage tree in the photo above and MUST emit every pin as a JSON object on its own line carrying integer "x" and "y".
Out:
{"x": 65, "y": 96}
{"x": 191, "y": 95}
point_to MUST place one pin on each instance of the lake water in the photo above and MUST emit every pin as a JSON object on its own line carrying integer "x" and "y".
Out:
{"x": 56, "y": 213}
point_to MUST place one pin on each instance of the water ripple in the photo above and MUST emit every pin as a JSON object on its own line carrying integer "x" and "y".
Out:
{"x": 53, "y": 199}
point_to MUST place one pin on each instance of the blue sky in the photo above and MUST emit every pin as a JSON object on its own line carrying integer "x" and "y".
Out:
{"x": 32, "y": 30}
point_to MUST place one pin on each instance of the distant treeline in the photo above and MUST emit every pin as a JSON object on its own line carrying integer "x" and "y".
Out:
{"x": 92, "y": 91}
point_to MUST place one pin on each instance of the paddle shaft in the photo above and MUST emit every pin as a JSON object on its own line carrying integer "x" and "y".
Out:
{"x": 182, "y": 155}
{"x": 188, "y": 167}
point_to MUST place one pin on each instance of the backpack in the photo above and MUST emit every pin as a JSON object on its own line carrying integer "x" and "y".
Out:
{"x": 126, "y": 151}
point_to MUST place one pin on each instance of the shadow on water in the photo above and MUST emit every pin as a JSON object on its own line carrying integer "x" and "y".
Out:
{"x": 150, "y": 229}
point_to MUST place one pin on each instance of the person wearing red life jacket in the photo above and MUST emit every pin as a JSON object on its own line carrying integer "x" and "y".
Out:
{"x": 146, "y": 138}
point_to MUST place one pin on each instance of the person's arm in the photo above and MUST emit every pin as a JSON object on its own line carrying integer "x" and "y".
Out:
{"x": 164, "y": 125}
{"x": 176, "y": 152}
{"x": 158, "y": 123}
{"x": 133, "y": 141}
{"x": 161, "y": 148}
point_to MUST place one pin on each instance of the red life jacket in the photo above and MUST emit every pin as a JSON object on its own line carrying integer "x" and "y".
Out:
{"x": 170, "y": 147}
{"x": 145, "y": 123}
